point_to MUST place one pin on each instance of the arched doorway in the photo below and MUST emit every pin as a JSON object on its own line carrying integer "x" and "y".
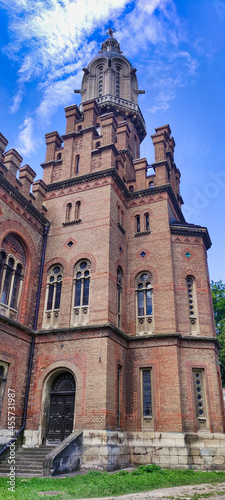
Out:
{"x": 61, "y": 408}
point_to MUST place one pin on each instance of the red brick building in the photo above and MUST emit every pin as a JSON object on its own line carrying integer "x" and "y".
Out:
{"x": 105, "y": 290}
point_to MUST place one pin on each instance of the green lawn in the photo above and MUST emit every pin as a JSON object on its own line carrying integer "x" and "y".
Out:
{"x": 94, "y": 484}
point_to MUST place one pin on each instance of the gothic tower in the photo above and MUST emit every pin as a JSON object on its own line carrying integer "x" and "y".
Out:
{"x": 125, "y": 347}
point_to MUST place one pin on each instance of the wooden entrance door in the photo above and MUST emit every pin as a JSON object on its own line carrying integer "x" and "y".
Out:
{"x": 61, "y": 410}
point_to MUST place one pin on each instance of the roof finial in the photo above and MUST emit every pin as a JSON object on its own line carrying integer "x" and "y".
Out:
{"x": 110, "y": 32}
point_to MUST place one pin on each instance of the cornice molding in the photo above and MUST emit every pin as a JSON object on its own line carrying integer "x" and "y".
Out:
{"x": 111, "y": 172}
{"x": 191, "y": 230}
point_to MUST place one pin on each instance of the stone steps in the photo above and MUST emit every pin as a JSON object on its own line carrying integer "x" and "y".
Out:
{"x": 29, "y": 462}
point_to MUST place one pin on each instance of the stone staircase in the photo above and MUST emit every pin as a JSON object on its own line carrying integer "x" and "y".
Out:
{"x": 29, "y": 461}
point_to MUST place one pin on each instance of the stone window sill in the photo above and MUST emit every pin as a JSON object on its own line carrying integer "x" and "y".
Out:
{"x": 71, "y": 222}
{"x": 141, "y": 233}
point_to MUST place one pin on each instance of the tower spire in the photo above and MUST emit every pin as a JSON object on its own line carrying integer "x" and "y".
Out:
{"x": 110, "y": 32}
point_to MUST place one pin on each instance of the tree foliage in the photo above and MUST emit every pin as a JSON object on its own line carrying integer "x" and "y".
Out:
{"x": 218, "y": 297}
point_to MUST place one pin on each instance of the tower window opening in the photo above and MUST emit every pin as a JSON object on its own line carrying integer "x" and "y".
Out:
{"x": 68, "y": 211}
{"x": 131, "y": 189}
{"x": 77, "y": 210}
{"x": 53, "y": 296}
{"x": 119, "y": 296}
{"x": 118, "y": 81}
{"x": 59, "y": 156}
{"x": 100, "y": 80}
{"x": 151, "y": 184}
{"x": 138, "y": 225}
{"x": 77, "y": 163}
{"x": 147, "y": 226}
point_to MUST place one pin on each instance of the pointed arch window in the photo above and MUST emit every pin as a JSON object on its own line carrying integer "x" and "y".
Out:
{"x": 119, "y": 296}
{"x": 81, "y": 289}
{"x": 138, "y": 224}
{"x": 11, "y": 275}
{"x": 147, "y": 225}
{"x": 144, "y": 303}
{"x": 77, "y": 210}
{"x": 53, "y": 296}
{"x": 68, "y": 212}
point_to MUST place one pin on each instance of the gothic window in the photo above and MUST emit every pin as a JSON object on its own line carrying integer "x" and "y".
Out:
{"x": 146, "y": 399}
{"x": 138, "y": 224}
{"x": 147, "y": 227}
{"x": 146, "y": 394}
{"x": 118, "y": 81}
{"x": 144, "y": 309}
{"x": 77, "y": 210}
{"x": 119, "y": 296}
{"x": 12, "y": 265}
{"x": 151, "y": 184}
{"x": 53, "y": 296}
{"x": 100, "y": 81}
{"x": 192, "y": 305}
{"x": 131, "y": 189}
{"x": 68, "y": 212}
{"x": 81, "y": 288}
{"x": 77, "y": 163}
{"x": 59, "y": 156}
{"x": 200, "y": 404}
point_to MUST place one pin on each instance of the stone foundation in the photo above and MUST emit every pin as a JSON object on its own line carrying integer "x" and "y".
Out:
{"x": 110, "y": 450}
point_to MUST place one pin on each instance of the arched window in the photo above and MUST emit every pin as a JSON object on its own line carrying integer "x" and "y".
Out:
{"x": 147, "y": 226}
{"x": 11, "y": 275}
{"x": 77, "y": 210}
{"x": 68, "y": 212}
{"x": 53, "y": 296}
{"x": 118, "y": 81}
{"x": 119, "y": 296}
{"x": 192, "y": 305}
{"x": 144, "y": 307}
{"x": 151, "y": 184}
{"x": 77, "y": 163}
{"x": 98, "y": 129}
{"x": 81, "y": 280}
{"x": 59, "y": 156}
{"x": 100, "y": 81}
{"x": 138, "y": 225}
{"x": 131, "y": 189}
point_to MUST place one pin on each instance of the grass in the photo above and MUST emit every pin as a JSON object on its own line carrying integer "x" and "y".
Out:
{"x": 94, "y": 483}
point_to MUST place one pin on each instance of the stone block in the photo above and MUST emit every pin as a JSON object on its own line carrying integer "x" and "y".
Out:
{"x": 220, "y": 452}
{"x": 163, "y": 460}
{"x": 140, "y": 450}
{"x": 195, "y": 451}
{"x": 182, "y": 460}
{"x": 162, "y": 452}
{"x": 207, "y": 452}
{"x": 198, "y": 460}
{"x": 182, "y": 451}
{"x": 209, "y": 443}
{"x": 208, "y": 460}
{"x": 173, "y": 460}
{"x": 218, "y": 460}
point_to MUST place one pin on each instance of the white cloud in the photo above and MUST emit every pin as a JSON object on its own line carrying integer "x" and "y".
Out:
{"x": 17, "y": 98}
{"x": 26, "y": 139}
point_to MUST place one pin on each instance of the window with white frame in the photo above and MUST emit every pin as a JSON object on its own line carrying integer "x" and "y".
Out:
{"x": 53, "y": 296}
{"x": 146, "y": 398}
{"x": 144, "y": 304}
{"x": 81, "y": 288}
{"x": 12, "y": 266}
{"x": 3, "y": 380}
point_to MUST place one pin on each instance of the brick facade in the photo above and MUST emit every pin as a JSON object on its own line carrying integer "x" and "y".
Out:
{"x": 95, "y": 194}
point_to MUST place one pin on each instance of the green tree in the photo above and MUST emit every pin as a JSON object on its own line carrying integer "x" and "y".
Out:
{"x": 218, "y": 297}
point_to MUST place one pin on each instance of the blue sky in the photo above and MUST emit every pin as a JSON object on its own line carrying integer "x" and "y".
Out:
{"x": 178, "y": 48}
